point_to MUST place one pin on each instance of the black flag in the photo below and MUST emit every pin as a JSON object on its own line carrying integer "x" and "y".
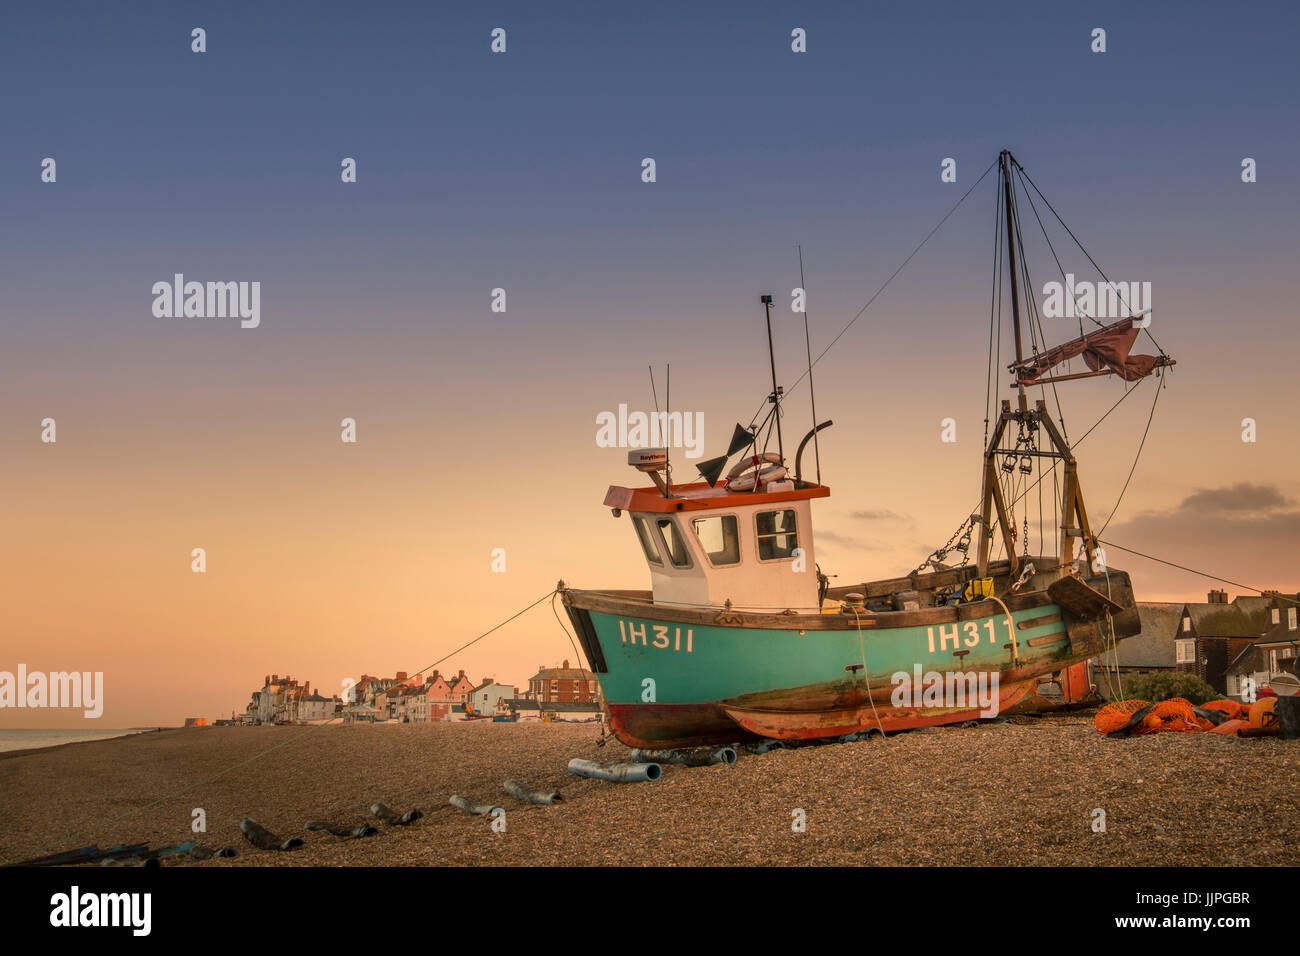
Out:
{"x": 711, "y": 470}
{"x": 741, "y": 438}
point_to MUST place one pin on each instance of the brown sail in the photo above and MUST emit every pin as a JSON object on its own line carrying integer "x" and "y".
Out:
{"x": 1106, "y": 351}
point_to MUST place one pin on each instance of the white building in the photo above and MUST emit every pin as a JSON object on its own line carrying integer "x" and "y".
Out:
{"x": 314, "y": 707}
{"x": 485, "y": 697}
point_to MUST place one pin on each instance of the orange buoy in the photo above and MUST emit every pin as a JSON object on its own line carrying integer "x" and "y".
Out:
{"x": 1230, "y": 726}
{"x": 1261, "y": 712}
{"x": 1234, "y": 710}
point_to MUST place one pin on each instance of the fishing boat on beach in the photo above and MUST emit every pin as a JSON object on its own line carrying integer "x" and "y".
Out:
{"x": 741, "y": 635}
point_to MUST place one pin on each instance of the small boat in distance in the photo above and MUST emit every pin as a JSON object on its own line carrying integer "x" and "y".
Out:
{"x": 741, "y": 636}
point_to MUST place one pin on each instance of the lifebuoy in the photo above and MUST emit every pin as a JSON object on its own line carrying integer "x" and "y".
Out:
{"x": 755, "y": 469}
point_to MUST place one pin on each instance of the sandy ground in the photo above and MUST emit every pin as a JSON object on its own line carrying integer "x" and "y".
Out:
{"x": 1012, "y": 793}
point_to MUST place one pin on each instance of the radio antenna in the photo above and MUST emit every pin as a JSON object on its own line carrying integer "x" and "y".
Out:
{"x": 812, "y": 393}
{"x": 668, "y": 432}
{"x": 667, "y": 485}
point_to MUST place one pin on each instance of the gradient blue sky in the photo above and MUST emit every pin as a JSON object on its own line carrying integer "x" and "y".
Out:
{"x": 523, "y": 171}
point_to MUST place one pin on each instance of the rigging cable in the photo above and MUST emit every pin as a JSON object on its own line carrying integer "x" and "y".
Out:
{"x": 1060, "y": 268}
{"x": 275, "y": 747}
{"x": 1098, "y": 422}
{"x": 1029, "y": 180}
{"x": 877, "y": 293}
{"x": 1204, "y": 574}
{"x": 576, "y": 656}
{"x": 1143, "y": 442}
{"x": 1031, "y": 306}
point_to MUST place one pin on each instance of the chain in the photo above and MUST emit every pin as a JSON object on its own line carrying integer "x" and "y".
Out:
{"x": 959, "y": 541}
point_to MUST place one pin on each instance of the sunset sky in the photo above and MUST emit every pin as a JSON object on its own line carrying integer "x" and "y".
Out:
{"x": 476, "y": 429}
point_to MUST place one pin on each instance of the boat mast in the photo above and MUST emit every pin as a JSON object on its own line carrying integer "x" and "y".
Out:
{"x": 1074, "y": 515}
{"x": 1006, "y": 160}
{"x": 776, "y": 392}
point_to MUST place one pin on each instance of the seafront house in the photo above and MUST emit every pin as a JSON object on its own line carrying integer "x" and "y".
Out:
{"x": 1275, "y": 652}
{"x": 563, "y": 684}
{"x": 1213, "y": 634}
{"x": 382, "y": 693}
{"x": 282, "y": 700}
{"x": 485, "y": 697}
{"x": 312, "y": 707}
{"x": 277, "y": 701}
{"x": 433, "y": 702}
{"x": 461, "y": 688}
{"x": 406, "y": 700}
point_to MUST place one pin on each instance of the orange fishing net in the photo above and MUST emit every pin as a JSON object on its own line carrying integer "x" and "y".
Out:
{"x": 1234, "y": 710}
{"x": 1173, "y": 708}
{"x": 1114, "y": 716}
{"x": 1175, "y": 714}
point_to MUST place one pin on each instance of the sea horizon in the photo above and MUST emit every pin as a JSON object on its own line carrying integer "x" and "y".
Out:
{"x": 29, "y": 738}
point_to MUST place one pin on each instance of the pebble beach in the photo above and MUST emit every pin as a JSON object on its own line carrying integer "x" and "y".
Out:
{"x": 1017, "y": 792}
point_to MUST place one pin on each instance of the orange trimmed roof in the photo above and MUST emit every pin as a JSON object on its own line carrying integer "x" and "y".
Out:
{"x": 700, "y": 497}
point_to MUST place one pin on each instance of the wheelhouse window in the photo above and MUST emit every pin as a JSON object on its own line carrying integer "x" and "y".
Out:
{"x": 777, "y": 535}
{"x": 720, "y": 537}
{"x": 677, "y": 552}
{"x": 647, "y": 538}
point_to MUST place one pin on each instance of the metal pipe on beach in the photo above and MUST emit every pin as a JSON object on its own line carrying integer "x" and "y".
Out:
{"x": 341, "y": 829}
{"x": 529, "y": 795}
{"x": 478, "y": 809}
{"x": 615, "y": 772}
{"x": 698, "y": 757}
{"x": 264, "y": 839}
{"x": 394, "y": 819}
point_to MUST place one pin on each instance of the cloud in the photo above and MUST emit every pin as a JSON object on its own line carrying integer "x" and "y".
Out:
{"x": 1243, "y": 532}
{"x": 878, "y": 515}
{"x": 1242, "y": 497}
{"x": 847, "y": 541}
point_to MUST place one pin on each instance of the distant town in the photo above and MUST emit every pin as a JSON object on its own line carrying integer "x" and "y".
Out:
{"x": 1235, "y": 646}
{"x": 561, "y": 693}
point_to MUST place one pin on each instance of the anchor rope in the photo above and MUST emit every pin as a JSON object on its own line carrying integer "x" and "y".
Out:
{"x": 866, "y": 681}
{"x": 272, "y": 749}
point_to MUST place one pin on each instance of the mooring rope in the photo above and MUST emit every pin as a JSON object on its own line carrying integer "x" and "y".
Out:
{"x": 274, "y": 747}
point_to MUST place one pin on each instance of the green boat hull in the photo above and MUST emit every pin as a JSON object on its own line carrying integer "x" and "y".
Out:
{"x": 672, "y": 677}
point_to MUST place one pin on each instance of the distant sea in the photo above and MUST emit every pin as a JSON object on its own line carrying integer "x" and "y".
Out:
{"x": 28, "y": 739}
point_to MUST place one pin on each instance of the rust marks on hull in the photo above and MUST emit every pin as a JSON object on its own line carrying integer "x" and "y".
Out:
{"x": 802, "y": 725}
{"x": 1042, "y": 621}
{"x": 1046, "y": 639}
